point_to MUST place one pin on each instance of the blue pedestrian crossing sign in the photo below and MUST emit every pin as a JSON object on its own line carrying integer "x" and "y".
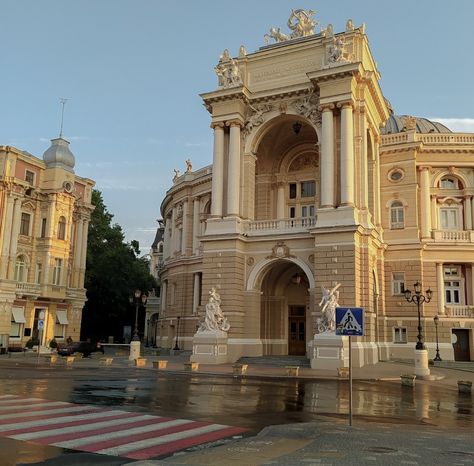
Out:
{"x": 350, "y": 321}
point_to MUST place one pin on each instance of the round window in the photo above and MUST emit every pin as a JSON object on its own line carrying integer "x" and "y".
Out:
{"x": 395, "y": 175}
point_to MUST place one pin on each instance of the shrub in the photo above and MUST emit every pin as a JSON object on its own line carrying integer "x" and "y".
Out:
{"x": 32, "y": 342}
{"x": 53, "y": 343}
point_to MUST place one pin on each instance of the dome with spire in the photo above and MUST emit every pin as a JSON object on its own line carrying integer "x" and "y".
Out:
{"x": 58, "y": 155}
{"x": 397, "y": 124}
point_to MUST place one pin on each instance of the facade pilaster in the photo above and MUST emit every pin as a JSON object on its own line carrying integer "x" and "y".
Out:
{"x": 167, "y": 239}
{"x": 376, "y": 171}
{"x": 327, "y": 157}
{"x": 7, "y": 233}
{"x": 173, "y": 232}
{"x": 281, "y": 213}
{"x": 85, "y": 234}
{"x": 79, "y": 227}
{"x": 347, "y": 155}
{"x": 364, "y": 189}
{"x": 218, "y": 171}
{"x": 196, "y": 224}
{"x": 233, "y": 174}
{"x": 16, "y": 219}
{"x": 425, "y": 205}
{"x": 164, "y": 291}
{"x": 184, "y": 237}
{"x": 196, "y": 290}
{"x": 440, "y": 285}
{"x": 468, "y": 213}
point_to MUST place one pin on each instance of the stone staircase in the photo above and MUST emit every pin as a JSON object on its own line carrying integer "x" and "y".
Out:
{"x": 280, "y": 361}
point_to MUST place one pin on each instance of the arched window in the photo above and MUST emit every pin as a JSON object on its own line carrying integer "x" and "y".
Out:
{"x": 62, "y": 228}
{"x": 449, "y": 182}
{"x": 397, "y": 215}
{"x": 20, "y": 269}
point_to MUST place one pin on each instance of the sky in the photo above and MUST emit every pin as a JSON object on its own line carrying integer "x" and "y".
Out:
{"x": 132, "y": 71}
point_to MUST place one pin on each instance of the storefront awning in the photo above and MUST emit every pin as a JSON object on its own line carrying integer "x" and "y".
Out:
{"x": 61, "y": 316}
{"x": 19, "y": 315}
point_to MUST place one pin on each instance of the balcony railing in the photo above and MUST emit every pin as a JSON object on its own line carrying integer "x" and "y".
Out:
{"x": 453, "y": 236}
{"x": 460, "y": 311}
{"x": 278, "y": 226}
{"x": 28, "y": 289}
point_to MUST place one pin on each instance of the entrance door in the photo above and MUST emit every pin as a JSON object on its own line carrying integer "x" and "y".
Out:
{"x": 461, "y": 345}
{"x": 297, "y": 330}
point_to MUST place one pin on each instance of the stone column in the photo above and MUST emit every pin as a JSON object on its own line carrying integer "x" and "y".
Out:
{"x": 196, "y": 289}
{"x": 327, "y": 157}
{"x": 440, "y": 285}
{"x": 15, "y": 233}
{"x": 468, "y": 213}
{"x": 425, "y": 205}
{"x": 7, "y": 234}
{"x": 434, "y": 214}
{"x": 281, "y": 213}
{"x": 347, "y": 155}
{"x": 173, "y": 232}
{"x": 233, "y": 173}
{"x": 184, "y": 236}
{"x": 218, "y": 171}
{"x": 196, "y": 224}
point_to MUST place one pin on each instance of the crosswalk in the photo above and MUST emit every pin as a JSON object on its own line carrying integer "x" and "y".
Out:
{"x": 104, "y": 431}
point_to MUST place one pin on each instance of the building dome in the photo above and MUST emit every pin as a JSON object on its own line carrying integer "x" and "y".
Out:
{"x": 58, "y": 155}
{"x": 397, "y": 124}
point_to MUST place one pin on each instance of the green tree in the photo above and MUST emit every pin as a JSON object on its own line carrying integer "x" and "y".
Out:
{"x": 113, "y": 270}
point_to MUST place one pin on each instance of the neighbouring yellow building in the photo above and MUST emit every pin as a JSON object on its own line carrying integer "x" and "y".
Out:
{"x": 315, "y": 181}
{"x": 44, "y": 215}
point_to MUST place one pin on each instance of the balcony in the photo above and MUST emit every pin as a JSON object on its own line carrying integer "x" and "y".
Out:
{"x": 453, "y": 236}
{"x": 460, "y": 311}
{"x": 28, "y": 289}
{"x": 279, "y": 226}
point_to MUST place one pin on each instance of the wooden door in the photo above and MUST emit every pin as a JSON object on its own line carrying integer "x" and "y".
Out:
{"x": 297, "y": 330}
{"x": 461, "y": 345}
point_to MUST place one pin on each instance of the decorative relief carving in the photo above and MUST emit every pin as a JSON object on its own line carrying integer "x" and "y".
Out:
{"x": 228, "y": 72}
{"x": 336, "y": 53}
{"x": 280, "y": 250}
{"x": 309, "y": 108}
{"x": 250, "y": 261}
{"x": 255, "y": 116}
{"x": 410, "y": 123}
{"x": 302, "y": 162}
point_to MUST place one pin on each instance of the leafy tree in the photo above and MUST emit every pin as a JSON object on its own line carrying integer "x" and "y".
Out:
{"x": 113, "y": 271}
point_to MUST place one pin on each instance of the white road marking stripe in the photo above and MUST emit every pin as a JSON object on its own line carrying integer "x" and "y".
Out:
{"x": 18, "y": 400}
{"x": 81, "y": 428}
{"x": 36, "y": 405}
{"x": 123, "y": 433}
{"x": 7, "y": 396}
{"x": 24, "y": 414}
{"x": 152, "y": 442}
{"x": 58, "y": 420}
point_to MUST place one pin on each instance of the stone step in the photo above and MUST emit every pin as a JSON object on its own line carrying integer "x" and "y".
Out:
{"x": 280, "y": 361}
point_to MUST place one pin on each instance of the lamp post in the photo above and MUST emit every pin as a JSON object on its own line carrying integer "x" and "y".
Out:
{"x": 138, "y": 299}
{"x": 176, "y": 345}
{"x": 421, "y": 355}
{"x": 418, "y": 298}
{"x": 436, "y": 322}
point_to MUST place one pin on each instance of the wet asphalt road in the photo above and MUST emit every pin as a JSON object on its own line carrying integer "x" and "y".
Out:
{"x": 250, "y": 402}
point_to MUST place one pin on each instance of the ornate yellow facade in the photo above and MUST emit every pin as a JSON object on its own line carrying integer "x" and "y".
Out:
{"x": 44, "y": 215}
{"x": 314, "y": 182}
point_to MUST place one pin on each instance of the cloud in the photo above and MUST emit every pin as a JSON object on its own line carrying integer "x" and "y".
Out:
{"x": 459, "y": 125}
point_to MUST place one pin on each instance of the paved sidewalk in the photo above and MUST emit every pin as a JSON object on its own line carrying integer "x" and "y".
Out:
{"x": 325, "y": 442}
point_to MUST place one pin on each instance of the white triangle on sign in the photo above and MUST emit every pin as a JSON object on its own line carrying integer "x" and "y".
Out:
{"x": 349, "y": 322}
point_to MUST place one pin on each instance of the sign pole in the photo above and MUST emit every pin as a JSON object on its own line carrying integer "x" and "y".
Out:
{"x": 350, "y": 381}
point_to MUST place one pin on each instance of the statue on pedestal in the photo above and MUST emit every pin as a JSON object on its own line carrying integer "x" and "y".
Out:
{"x": 214, "y": 319}
{"x": 328, "y": 304}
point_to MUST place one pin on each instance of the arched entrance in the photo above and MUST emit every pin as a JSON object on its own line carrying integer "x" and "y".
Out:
{"x": 284, "y": 307}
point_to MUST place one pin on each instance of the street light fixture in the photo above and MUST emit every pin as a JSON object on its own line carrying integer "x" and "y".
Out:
{"x": 418, "y": 298}
{"x": 139, "y": 299}
{"x": 436, "y": 322}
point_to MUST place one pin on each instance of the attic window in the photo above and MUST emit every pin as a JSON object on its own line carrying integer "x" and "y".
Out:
{"x": 396, "y": 175}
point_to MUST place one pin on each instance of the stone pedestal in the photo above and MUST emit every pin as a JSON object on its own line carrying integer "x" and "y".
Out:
{"x": 421, "y": 363}
{"x": 329, "y": 351}
{"x": 210, "y": 347}
{"x": 134, "y": 350}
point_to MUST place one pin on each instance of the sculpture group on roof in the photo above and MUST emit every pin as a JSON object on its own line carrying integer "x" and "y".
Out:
{"x": 300, "y": 23}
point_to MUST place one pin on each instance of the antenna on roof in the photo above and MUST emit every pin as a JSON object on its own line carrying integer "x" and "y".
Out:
{"x": 62, "y": 101}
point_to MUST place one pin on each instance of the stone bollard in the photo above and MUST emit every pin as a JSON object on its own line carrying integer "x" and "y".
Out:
{"x": 140, "y": 362}
{"x": 464, "y": 386}
{"x": 292, "y": 371}
{"x": 161, "y": 364}
{"x": 239, "y": 369}
{"x": 408, "y": 380}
